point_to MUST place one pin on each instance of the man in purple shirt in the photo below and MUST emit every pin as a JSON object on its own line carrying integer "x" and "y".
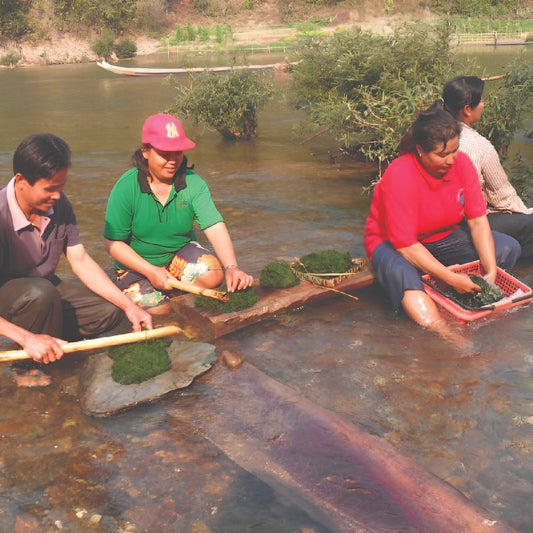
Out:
{"x": 38, "y": 310}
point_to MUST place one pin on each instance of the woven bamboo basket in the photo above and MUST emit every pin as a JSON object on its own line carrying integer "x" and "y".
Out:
{"x": 330, "y": 279}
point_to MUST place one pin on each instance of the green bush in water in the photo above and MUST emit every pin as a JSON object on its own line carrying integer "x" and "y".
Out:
{"x": 238, "y": 301}
{"x": 278, "y": 276}
{"x": 138, "y": 362}
{"x": 488, "y": 294}
{"x": 324, "y": 262}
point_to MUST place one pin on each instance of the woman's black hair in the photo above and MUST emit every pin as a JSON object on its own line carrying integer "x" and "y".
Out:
{"x": 431, "y": 128}
{"x": 41, "y": 156}
{"x": 141, "y": 163}
{"x": 460, "y": 92}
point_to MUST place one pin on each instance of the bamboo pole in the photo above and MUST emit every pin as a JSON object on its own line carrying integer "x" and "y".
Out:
{"x": 101, "y": 342}
{"x": 195, "y": 289}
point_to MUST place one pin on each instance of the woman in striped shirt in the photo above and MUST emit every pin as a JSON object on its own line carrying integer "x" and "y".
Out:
{"x": 506, "y": 211}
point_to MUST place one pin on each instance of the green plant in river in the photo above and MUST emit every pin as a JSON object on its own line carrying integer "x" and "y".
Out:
{"x": 366, "y": 88}
{"x": 229, "y": 103}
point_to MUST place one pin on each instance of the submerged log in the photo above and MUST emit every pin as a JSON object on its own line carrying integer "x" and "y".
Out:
{"x": 210, "y": 325}
{"x": 345, "y": 478}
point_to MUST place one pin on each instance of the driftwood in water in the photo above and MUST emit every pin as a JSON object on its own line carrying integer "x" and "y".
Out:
{"x": 210, "y": 325}
{"x": 344, "y": 477}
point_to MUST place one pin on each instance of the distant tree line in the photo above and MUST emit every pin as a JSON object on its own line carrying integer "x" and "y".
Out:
{"x": 24, "y": 19}
{"x": 20, "y": 19}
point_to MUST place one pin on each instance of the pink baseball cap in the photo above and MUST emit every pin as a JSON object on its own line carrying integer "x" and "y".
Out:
{"x": 165, "y": 132}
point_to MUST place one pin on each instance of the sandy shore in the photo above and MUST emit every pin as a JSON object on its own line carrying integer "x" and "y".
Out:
{"x": 67, "y": 49}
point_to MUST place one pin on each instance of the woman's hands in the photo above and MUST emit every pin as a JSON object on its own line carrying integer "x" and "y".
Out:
{"x": 159, "y": 278}
{"x": 463, "y": 284}
{"x": 237, "y": 279}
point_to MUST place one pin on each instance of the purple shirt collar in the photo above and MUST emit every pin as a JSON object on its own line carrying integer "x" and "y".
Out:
{"x": 19, "y": 218}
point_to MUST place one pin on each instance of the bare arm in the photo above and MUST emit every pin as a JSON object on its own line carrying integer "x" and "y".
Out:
{"x": 484, "y": 244}
{"x": 41, "y": 348}
{"x": 93, "y": 276}
{"x": 420, "y": 257}
{"x": 220, "y": 239}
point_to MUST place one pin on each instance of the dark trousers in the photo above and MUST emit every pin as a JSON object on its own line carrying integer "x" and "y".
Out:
{"x": 517, "y": 225}
{"x": 397, "y": 275}
{"x": 69, "y": 310}
{"x": 458, "y": 248}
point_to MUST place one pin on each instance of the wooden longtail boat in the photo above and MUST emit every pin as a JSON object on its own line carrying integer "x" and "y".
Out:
{"x": 166, "y": 71}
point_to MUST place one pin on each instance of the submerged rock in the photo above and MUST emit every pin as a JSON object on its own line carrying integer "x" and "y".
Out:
{"x": 101, "y": 396}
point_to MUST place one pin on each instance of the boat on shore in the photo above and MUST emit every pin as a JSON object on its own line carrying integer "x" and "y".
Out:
{"x": 166, "y": 71}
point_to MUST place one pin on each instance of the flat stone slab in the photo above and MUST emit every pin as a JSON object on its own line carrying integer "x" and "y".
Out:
{"x": 101, "y": 396}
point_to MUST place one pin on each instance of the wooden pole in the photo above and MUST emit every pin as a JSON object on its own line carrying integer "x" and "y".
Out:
{"x": 195, "y": 289}
{"x": 101, "y": 342}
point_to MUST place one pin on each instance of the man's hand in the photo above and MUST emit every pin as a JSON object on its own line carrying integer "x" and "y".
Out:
{"x": 43, "y": 348}
{"x": 139, "y": 318}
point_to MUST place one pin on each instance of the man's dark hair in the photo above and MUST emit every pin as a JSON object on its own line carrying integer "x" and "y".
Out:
{"x": 41, "y": 156}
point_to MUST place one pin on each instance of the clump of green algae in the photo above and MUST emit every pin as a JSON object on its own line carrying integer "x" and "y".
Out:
{"x": 138, "y": 362}
{"x": 488, "y": 294}
{"x": 238, "y": 301}
{"x": 278, "y": 276}
{"x": 324, "y": 262}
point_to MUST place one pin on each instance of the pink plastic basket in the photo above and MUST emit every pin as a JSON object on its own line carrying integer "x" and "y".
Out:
{"x": 509, "y": 285}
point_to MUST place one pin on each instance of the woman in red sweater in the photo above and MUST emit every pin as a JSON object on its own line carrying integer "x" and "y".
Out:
{"x": 416, "y": 221}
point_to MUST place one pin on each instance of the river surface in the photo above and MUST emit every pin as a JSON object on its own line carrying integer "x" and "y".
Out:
{"x": 465, "y": 417}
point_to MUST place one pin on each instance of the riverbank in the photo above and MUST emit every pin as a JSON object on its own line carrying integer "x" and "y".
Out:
{"x": 61, "y": 48}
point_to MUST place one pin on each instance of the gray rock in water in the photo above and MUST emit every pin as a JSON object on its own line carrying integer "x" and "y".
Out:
{"x": 101, "y": 396}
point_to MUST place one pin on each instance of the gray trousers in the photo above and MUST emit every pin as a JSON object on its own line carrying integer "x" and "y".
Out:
{"x": 517, "y": 225}
{"x": 68, "y": 310}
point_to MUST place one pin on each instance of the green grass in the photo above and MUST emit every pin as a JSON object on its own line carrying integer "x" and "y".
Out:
{"x": 485, "y": 25}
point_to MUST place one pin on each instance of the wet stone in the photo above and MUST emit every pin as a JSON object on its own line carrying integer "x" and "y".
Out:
{"x": 101, "y": 396}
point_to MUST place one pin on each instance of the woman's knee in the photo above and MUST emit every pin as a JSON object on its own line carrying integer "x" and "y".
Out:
{"x": 420, "y": 307}
{"x": 211, "y": 279}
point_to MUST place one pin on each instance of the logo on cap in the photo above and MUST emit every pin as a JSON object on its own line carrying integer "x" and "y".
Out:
{"x": 172, "y": 131}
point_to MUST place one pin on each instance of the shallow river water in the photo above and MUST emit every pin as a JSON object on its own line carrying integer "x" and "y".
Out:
{"x": 465, "y": 417}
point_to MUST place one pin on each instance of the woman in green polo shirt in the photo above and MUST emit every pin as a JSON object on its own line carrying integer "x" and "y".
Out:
{"x": 149, "y": 221}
